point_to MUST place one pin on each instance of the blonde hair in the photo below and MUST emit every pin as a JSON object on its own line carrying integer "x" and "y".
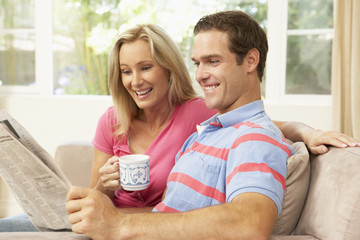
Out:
{"x": 166, "y": 54}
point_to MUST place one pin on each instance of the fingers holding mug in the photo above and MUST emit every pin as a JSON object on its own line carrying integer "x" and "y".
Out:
{"x": 110, "y": 175}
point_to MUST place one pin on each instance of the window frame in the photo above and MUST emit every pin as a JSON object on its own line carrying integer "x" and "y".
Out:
{"x": 43, "y": 50}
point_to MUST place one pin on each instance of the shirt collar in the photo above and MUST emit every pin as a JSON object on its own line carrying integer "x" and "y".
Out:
{"x": 238, "y": 115}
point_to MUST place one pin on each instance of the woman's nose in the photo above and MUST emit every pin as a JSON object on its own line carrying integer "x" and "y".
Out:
{"x": 137, "y": 80}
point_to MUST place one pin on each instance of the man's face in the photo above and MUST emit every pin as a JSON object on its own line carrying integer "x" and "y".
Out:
{"x": 224, "y": 83}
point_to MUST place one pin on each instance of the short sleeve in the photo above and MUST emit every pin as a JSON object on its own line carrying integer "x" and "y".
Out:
{"x": 258, "y": 165}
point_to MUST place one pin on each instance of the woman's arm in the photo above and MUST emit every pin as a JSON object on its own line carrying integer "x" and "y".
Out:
{"x": 315, "y": 140}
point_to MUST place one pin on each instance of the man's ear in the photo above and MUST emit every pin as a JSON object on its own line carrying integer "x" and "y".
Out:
{"x": 252, "y": 59}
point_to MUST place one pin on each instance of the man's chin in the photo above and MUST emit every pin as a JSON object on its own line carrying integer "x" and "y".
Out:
{"x": 210, "y": 104}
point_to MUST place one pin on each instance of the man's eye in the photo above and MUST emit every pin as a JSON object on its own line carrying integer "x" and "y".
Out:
{"x": 213, "y": 61}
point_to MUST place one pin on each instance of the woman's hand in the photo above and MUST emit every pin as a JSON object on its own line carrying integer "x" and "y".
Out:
{"x": 109, "y": 179}
{"x": 317, "y": 140}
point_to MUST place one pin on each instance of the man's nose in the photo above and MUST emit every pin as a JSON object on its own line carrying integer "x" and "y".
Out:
{"x": 201, "y": 73}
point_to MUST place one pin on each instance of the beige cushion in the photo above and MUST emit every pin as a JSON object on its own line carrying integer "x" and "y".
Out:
{"x": 332, "y": 209}
{"x": 75, "y": 161}
{"x": 297, "y": 184}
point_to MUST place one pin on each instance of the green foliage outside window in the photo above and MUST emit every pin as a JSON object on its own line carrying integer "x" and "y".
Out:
{"x": 84, "y": 32}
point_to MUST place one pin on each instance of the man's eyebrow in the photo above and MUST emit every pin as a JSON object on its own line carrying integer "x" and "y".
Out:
{"x": 207, "y": 57}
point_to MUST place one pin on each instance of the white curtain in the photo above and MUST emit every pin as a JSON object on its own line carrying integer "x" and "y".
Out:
{"x": 346, "y": 67}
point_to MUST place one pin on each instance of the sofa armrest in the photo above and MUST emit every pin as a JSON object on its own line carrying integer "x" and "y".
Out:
{"x": 75, "y": 160}
{"x": 332, "y": 208}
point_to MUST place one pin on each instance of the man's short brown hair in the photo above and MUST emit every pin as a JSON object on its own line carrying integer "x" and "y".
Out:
{"x": 243, "y": 31}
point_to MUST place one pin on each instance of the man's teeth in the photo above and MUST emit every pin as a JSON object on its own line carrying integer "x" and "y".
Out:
{"x": 207, "y": 88}
{"x": 143, "y": 92}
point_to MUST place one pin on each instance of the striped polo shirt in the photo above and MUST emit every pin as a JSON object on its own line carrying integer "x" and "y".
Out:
{"x": 237, "y": 152}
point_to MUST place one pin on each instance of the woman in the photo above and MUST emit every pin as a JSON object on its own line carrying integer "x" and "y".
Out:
{"x": 155, "y": 110}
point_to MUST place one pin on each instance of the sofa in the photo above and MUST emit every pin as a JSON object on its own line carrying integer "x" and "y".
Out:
{"x": 321, "y": 200}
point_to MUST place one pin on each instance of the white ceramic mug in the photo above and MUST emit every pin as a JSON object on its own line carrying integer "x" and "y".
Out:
{"x": 134, "y": 172}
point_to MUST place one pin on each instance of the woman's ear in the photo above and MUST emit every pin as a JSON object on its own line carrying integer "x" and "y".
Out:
{"x": 252, "y": 59}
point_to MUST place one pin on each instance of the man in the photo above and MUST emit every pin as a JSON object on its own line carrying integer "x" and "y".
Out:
{"x": 229, "y": 178}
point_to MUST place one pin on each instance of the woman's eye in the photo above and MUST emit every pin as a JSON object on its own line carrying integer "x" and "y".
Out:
{"x": 146, "y": 68}
{"x": 126, "y": 71}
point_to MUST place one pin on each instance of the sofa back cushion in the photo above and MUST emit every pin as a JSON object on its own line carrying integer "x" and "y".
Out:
{"x": 297, "y": 185}
{"x": 332, "y": 208}
{"x": 75, "y": 161}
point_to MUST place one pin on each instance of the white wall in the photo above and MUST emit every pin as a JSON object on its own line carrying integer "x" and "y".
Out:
{"x": 54, "y": 120}
{"x": 317, "y": 116}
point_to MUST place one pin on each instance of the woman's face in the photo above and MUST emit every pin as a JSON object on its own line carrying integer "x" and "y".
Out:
{"x": 146, "y": 81}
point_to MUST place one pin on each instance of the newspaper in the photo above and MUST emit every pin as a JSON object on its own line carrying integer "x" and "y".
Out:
{"x": 38, "y": 184}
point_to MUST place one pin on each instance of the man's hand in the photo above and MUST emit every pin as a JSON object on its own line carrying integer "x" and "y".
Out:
{"x": 92, "y": 213}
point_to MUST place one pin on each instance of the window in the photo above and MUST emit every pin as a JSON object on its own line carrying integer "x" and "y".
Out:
{"x": 17, "y": 43}
{"x": 61, "y": 46}
{"x": 309, "y": 41}
{"x": 300, "y": 36}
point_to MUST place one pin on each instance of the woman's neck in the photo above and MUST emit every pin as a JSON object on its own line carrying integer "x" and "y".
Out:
{"x": 155, "y": 118}
{"x": 146, "y": 127}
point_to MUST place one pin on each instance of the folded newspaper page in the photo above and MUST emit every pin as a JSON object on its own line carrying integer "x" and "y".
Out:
{"x": 31, "y": 173}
